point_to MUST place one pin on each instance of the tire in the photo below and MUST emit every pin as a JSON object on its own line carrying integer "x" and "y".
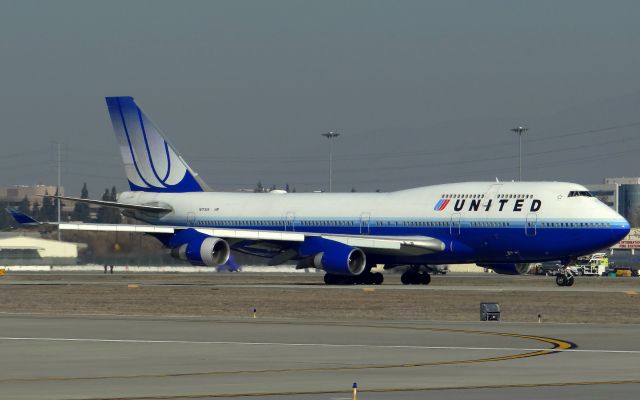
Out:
{"x": 330, "y": 279}
{"x": 570, "y": 281}
{"x": 378, "y": 278}
{"x": 561, "y": 280}
{"x": 366, "y": 278}
{"x": 348, "y": 280}
{"x": 425, "y": 279}
{"x": 405, "y": 278}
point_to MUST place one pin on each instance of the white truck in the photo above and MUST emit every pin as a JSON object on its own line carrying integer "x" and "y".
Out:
{"x": 594, "y": 265}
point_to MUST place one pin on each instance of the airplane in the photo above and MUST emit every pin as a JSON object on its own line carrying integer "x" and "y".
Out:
{"x": 503, "y": 226}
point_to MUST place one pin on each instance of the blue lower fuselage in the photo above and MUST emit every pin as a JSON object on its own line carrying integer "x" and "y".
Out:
{"x": 500, "y": 241}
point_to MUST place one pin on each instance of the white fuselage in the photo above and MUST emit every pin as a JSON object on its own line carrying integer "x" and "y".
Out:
{"x": 480, "y": 221}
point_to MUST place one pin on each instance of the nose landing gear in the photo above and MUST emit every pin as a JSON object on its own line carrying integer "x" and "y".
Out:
{"x": 564, "y": 277}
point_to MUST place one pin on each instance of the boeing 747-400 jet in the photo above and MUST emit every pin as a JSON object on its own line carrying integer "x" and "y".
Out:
{"x": 502, "y": 226}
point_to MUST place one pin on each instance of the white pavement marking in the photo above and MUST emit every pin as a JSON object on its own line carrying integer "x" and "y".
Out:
{"x": 143, "y": 341}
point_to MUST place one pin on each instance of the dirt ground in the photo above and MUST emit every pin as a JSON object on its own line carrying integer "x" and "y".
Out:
{"x": 296, "y": 296}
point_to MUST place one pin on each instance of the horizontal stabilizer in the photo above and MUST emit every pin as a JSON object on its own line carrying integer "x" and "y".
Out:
{"x": 115, "y": 204}
{"x": 22, "y": 218}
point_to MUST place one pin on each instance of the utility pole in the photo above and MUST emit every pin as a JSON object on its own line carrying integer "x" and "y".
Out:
{"x": 331, "y": 135}
{"x": 59, "y": 185}
{"x": 520, "y": 130}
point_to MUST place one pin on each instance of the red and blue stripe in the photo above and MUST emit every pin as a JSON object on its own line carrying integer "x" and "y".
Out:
{"x": 441, "y": 205}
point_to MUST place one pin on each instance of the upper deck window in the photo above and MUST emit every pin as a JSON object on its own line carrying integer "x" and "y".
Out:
{"x": 580, "y": 193}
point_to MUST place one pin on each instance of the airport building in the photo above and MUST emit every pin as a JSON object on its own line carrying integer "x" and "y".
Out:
{"x": 622, "y": 195}
{"x": 17, "y": 193}
{"x": 14, "y": 195}
{"x": 31, "y": 249}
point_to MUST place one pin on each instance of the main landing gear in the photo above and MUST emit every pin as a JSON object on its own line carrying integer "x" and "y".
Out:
{"x": 365, "y": 278}
{"x": 564, "y": 277}
{"x": 414, "y": 276}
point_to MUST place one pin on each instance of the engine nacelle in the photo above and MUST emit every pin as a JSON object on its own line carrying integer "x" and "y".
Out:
{"x": 200, "y": 249}
{"x": 509, "y": 269}
{"x": 333, "y": 257}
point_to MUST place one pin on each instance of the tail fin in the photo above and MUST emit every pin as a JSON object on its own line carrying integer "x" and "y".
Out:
{"x": 151, "y": 163}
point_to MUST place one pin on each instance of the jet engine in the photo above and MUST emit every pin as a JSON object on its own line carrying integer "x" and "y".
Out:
{"x": 333, "y": 257}
{"x": 509, "y": 269}
{"x": 200, "y": 249}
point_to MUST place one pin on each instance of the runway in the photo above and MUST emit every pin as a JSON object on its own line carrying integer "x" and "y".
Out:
{"x": 91, "y": 357}
{"x": 469, "y": 283}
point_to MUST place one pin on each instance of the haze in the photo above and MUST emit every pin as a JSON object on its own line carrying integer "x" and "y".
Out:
{"x": 421, "y": 92}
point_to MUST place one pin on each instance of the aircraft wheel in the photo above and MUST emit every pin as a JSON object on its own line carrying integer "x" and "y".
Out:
{"x": 349, "y": 280}
{"x": 378, "y": 278}
{"x": 561, "y": 280}
{"x": 425, "y": 279}
{"x": 330, "y": 279}
{"x": 367, "y": 278}
{"x": 570, "y": 281}
{"x": 406, "y": 278}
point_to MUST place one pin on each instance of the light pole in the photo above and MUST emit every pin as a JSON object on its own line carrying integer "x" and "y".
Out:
{"x": 58, "y": 188}
{"x": 520, "y": 130}
{"x": 331, "y": 135}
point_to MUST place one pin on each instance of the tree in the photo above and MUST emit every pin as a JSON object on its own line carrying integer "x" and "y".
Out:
{"x": 114, "y": 215}
{"x": 5, "y": 218}
{"x": 353, "y": 190}
{"x": 103, "y": 212}
{"x": 287, "y": 188}
{"x": 24, "y": 206}
{"x": 48, "y": 209}
{"x": 81, "y": 211}
{"x": 35, "y": 211}
{"x": 57, "y": 202}
{"x": 259, "y": 188}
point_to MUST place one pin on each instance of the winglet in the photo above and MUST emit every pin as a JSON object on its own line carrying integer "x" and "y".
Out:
{"x": 22, "y": 218}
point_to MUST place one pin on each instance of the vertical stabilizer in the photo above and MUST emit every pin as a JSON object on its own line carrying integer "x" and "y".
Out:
{"x": 151, "y": 163}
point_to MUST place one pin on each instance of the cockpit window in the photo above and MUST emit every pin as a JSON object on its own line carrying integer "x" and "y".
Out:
{"x": 580, "y": 193}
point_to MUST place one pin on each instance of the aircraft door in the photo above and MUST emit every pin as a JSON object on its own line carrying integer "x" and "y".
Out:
{"x": 191, "y": 219}
{"x": 289, "y": 222}
{"x": 454, "y": 224}
{"x": 491, "y": 193}
{"x": 365, "y": 220}
{"x": 531, "y": 224}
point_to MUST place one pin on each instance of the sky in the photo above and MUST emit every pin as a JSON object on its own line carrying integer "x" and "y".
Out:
{"x": 422, "y": 92}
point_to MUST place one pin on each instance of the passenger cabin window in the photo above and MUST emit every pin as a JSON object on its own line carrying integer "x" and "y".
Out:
{"x": 580, "y": 193}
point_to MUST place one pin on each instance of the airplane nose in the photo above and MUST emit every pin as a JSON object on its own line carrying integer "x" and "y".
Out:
{"x": 620, "y": 229}
{"x": 625, "y": 227}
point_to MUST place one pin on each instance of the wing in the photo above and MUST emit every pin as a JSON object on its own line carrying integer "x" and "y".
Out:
{"x": 281, "y": 241}
{"x": 277, "y": 245}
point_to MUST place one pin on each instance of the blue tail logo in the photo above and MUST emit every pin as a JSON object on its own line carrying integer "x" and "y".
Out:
{"x": 151, "y": 163}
